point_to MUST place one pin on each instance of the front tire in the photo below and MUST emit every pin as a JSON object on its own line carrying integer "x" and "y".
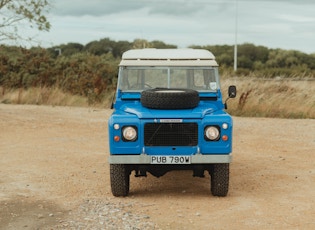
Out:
{"x": 220, "y": 179}
{"x": 119, "y": 179}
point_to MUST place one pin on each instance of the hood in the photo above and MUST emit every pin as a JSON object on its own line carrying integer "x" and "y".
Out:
{"x": 145, "y": 113}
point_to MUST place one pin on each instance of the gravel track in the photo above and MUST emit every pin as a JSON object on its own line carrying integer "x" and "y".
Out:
{"x": 54, "y": 174}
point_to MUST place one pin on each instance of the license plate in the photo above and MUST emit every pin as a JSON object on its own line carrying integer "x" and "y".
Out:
{"x": 170, "y": 160}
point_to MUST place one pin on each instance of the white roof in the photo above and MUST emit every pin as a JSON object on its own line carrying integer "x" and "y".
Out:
{"x": 168, "y": 57}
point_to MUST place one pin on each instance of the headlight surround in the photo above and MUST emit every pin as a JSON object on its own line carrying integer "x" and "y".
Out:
{"x": 212, "y": 133}
{"x": 129, "y": 133}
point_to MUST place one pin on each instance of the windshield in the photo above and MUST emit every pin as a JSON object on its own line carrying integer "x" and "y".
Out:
{"x": 137, "y": 79}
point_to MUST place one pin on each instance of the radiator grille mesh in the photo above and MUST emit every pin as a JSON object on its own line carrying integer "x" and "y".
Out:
{"x": 171, "y": 134}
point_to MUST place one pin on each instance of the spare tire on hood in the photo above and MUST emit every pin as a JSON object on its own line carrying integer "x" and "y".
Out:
{"x": 169, "y": 98}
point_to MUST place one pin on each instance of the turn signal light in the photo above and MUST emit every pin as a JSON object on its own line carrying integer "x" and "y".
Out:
{"x": 116, "y": 138}
{"x": 225, "y": 137}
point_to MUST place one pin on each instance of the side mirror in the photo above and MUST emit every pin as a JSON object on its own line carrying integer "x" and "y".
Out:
{"x": 232, "y": 94}
{"x": 232, "y": 91}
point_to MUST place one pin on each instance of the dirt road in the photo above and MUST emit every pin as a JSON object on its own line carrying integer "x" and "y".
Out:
{"x": 54, "y": 175}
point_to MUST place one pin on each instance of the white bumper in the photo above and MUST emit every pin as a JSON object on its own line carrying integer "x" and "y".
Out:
{"x": 146, "y": 159}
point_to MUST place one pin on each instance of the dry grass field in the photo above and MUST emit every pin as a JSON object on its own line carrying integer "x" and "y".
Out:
{"x": 282, "y": 98}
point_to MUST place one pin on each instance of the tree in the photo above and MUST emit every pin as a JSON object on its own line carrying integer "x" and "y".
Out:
{"x": 100, "y": 47}
{"x": 66, "y": 49}
{"x": 161, "y": 45}
{"x": 15, "y": 13}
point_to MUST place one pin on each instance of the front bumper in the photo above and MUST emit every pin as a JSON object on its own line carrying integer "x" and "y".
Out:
{"x": 146, "y": 159}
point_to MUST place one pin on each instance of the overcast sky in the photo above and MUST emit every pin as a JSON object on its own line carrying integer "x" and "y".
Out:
{"x": 286, "y": 24}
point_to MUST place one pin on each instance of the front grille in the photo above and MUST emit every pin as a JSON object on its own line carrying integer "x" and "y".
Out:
{"x": 171, "y": 134}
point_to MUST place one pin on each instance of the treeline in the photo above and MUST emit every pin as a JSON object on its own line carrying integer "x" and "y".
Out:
{"x": 81, "y": 74}
{"x": 260, "y": 61}
{"x": 105, "y": 46}
{"x": 91, "y": 70}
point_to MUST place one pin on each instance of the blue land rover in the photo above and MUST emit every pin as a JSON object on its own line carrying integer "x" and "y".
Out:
{"x": 169, "y": 115}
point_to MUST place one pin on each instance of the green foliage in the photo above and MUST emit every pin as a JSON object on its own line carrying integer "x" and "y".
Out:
{"x": 81, "y": 74}
{"x": 25, "y": 68}
{"x": 91, "y": 70}
{"x": 106, "y": 46}
{"x": 19, "y": 11}
{"x": 66, "y": 50}
{"x": 99, "y": 47}
{"x": 86, "y": 74}
{"x": 161, "y": 45}
{"x": 263, "y": 61}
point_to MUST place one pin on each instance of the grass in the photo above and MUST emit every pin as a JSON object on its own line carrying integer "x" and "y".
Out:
{"x": 272, "y": 98}
{"x": 281, "y": 98}
{"x": 42, "y": 96}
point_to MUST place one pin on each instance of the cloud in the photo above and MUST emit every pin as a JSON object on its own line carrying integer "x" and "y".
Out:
{"x": 93, "y": 7}
{"x": 159, "y": 7}
{"x": 273, "y": 23}
{"x": 296, "y": 18}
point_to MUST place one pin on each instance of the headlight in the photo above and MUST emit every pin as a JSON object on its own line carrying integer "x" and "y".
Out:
{"x": 129, "y": 133}
{"x": 212, "y": 133}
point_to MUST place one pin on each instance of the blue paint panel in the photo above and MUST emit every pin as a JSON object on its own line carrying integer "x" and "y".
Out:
{"x": 124, "y": 118}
